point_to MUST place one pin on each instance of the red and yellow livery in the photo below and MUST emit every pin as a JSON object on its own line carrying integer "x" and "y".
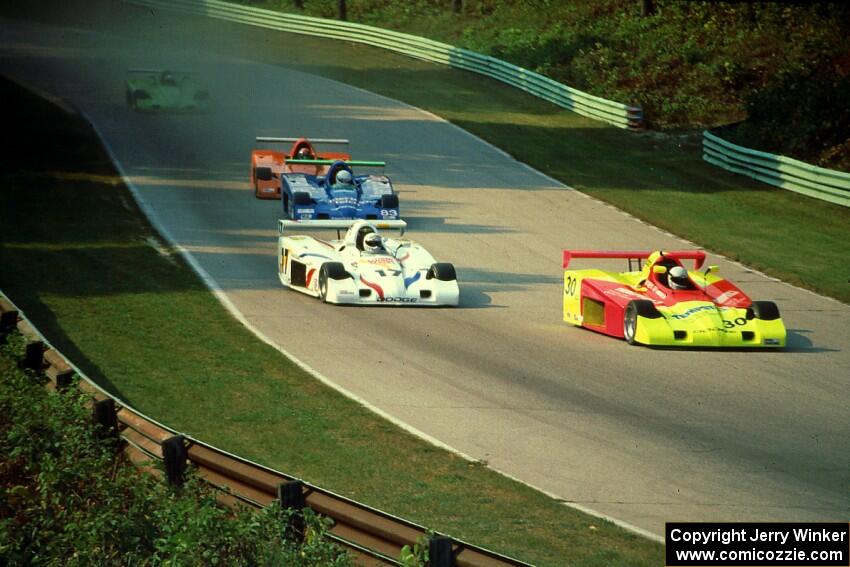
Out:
{"x": 643, "y": 307}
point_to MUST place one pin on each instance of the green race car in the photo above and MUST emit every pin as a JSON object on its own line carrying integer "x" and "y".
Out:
{"x": 163, "y": 90}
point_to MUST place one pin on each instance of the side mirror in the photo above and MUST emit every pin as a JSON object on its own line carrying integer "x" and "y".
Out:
{"x": 659, "y": 269}
{"x": 711, "y": 270}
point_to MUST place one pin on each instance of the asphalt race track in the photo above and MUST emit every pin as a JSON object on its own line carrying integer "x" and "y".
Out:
{"x": 644, "y": 436}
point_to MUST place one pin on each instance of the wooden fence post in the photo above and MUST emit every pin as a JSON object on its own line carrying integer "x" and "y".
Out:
{"x": 34, "y": 356}
{"x": 440, "y": 552}
{"x": 104, "y": 414}
{"x": 175, "y": 456}
{"x": 8, "y": 320}
{"x": 290, "y": 495}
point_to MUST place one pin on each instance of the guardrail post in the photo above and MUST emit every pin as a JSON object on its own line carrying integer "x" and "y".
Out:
{"x": 104, "y": 414}
{"x": 64, "y": 379}
{"x": 8, "y": 320}
{"x": 290, "y": 495}
{"x": 440, "y": 552}
{"x": 34, "y": 356}
{"x": 175, "y": 456}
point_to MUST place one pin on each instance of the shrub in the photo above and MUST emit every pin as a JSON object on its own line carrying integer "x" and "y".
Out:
{"x": 68, "y": 498}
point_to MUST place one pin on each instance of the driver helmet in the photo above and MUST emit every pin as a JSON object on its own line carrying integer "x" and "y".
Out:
{"x": 678, "y": 278}
{"x": 344, "y": 177}
{"x": 373, "y": 243}
{"x": 303, "y": 153}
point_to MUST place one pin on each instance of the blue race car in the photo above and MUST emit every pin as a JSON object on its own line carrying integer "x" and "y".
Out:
{"x": 339, "y": 194}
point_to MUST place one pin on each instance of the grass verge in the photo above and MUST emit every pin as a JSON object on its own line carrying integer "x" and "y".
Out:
{"x": 77, "y": 257}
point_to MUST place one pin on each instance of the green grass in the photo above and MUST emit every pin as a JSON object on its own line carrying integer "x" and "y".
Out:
{"x": 75, "y": 255}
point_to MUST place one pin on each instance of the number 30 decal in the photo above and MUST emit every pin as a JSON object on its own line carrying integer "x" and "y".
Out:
{"x": 570, "y": 285}
{"x": 740, "y": 321}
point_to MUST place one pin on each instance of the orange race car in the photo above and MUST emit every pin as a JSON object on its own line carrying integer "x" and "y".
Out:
{"x": 267, "y": 165}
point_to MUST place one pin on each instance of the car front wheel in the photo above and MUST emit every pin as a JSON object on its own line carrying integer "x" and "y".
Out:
{"x": 630, "y": 323}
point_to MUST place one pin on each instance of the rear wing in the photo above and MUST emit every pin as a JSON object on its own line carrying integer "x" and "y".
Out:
{"x": 356, "y": 163}
{"x": 698, "y": 256}
{"x": 158, "y": 71}
{"x": 276, "y": 140}
{"x": 294, "y": 225}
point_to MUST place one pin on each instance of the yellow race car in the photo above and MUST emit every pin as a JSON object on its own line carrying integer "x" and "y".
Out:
{"x": 663, "y": 304}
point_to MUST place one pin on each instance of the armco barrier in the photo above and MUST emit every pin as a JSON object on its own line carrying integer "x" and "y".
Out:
{"x": 615, "y": 113}
{"x": 373, "y": 537}
{"x": 784, "y": 172}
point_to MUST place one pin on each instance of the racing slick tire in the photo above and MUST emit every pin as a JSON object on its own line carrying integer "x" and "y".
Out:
{"x": 301, "y": 198}
{"x": 389, "y": 201}
{"x": 133, "y": 97}
{"x": 764, "y": 310}
{"x": 443, "y": 271}
{"x": 263, "y": 173}
{"x": 332, "y": 271}
{"x": 637, "y": 308}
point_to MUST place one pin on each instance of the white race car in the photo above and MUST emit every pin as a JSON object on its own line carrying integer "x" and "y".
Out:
{"x": 364, "y": 267}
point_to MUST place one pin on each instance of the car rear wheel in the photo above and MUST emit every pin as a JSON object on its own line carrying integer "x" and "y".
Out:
{"x": 323, "y": 284}
{"x": 301, "y": 198}
{"x": 389, "y": 201}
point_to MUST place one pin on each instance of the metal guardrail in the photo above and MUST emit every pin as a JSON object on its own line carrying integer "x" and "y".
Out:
{"x": 781, "y": 171}
{"x": 371, "y": 536}
{"x": 615, "y": 113}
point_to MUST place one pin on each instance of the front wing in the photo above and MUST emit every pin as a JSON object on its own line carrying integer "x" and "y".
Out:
{"x": 355, "y": 290}
{"x": 704, "y": 326}
{"x": 422, "y": 292}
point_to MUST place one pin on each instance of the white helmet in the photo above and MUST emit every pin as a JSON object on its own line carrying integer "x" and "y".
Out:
{"x": 344, "y": 177}
{"x": 373, "y": 243}
{"x": 678, "y": 278}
